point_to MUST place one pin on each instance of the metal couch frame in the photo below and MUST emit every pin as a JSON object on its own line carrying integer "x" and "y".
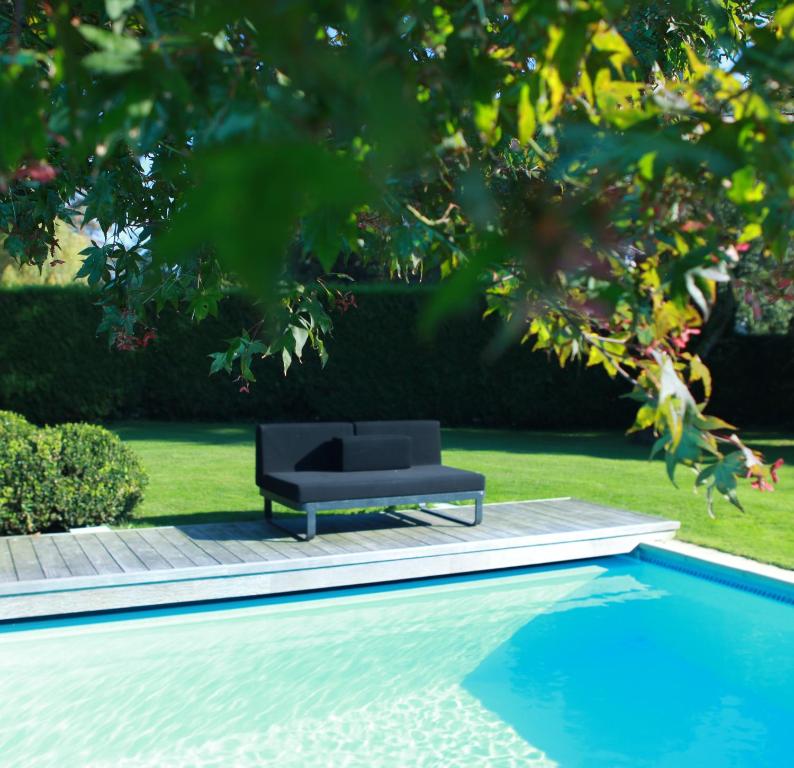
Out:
{"x": 312, "y": 507}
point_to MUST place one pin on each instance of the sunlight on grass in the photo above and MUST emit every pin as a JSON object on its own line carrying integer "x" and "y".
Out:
{"x": 205, "y": 473}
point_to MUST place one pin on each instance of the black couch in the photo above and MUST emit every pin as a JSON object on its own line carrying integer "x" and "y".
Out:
{"x": 342, "y": 465}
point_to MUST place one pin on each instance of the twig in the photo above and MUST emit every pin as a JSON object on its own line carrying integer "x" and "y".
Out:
{"x": 433, "y": 222}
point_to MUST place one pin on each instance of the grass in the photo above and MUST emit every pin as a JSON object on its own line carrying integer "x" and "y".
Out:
{"x": 205, "y": 473}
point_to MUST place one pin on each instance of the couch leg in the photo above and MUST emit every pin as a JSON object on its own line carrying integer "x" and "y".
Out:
{"x": 268, "y": 509}
{"x": 311, "y": 524}
{"x": 478, "y": 510}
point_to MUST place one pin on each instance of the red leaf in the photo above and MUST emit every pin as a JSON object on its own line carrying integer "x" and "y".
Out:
{"x": 42, "y": 172}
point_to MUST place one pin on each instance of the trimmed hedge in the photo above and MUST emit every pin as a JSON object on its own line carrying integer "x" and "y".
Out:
{"x": 63, "y": 477}
{"x": 53, "y": 369}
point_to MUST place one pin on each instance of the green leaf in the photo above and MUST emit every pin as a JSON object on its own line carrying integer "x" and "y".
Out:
{"x": 670, "y": 464}
{"x": 568, "y": 43}
{"x": 117, "y": 8}
{"x": 220, "y": 362}
{"x": 300, "y": 335}
{"x": 94, "y": 265}
{"x": 117, "y": 44}
{"x": 326, "y": 233}
{"x": 119, "y": 53}
{"x": 272, "y": 184}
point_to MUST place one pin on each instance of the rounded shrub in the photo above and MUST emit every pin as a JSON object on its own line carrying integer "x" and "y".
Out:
{"x": 64, "y": 477}
{"x": 13, "y": 423}
{"x": 16, "y": 461}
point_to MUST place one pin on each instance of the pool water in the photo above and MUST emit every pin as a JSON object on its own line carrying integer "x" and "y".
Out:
{"x": 613, "y": 662}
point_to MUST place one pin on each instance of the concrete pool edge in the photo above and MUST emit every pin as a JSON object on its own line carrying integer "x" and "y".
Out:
{"x": 732, "y": 570}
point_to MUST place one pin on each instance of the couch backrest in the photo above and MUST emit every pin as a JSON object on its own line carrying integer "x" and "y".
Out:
{"x": 425, "y": 437}
{"x": 298, "y": 446}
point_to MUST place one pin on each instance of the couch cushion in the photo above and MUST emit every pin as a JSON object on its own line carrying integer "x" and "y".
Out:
{"x": 298, "y": 446}
{"x": 303, "y": 487}
{"x": 425, "y": 437}
{"x": 369, "y": 452}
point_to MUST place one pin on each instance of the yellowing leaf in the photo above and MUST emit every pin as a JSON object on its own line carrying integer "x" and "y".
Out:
{"x": 486, "y": 118}
{"x": 699, "y": 372}
{"x": 619, "y": 100}
{"x": 549, "y": 104}
{"x": 696, "y": 66}
{"x": 745, "y": 188}
{"x": 527, "y": 123}
{"x": 784, "y": 20}
{"x": 750, "y": 232}
{"x": 597, "y": 357}
{"x": 646, "y": 417}
{"x": 610, "y": 40}
{"x": 645, "y": 165}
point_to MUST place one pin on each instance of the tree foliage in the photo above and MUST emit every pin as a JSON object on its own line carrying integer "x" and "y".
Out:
{"x": 597, "y": 168}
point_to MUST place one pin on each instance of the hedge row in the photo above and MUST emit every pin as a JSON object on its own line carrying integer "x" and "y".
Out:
{"x": 52, "y": 369}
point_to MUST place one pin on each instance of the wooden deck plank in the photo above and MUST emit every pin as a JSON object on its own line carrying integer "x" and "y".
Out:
{"x": 452, "y": 529}
{"x": 290, "y": 548}
{"x": 98, "y": 555}
{"x": 384, "y": 538}
{"x": 528, "y": 518}
{"x": 320, "y": 546}
{"x": 334, "y": 543}
{"x": 187, "y": 546}
{"x": 293, "y": 547}
{"x": 226, "y": 536}
{"x": 204, "y": 562}
{"x": 7, "y": 570}
{"x": 408, "y": 528}
{"x": 121, "y": 553}
{"x": 562, "y": 521}
{"x": 360, "y": 538}
{"x": 26, "y": 563}
{"x": 594, "y": 517}
{"x": 72, "y": 552}
{"x": 252, "y": 535}
{"x": 50, "y": 559}
{"x": 425, "y": 533}
{"x": 203, "y": 540}
{"x": 600, "y": 510}
{"x": 145, "y": 552}
{"x": 165, "y": 548}
{"x": 503, "y": 525}
{"x": 332, "y": 538}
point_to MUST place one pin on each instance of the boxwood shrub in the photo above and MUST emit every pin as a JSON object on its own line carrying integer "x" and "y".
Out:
{"x": 63, "y": 477}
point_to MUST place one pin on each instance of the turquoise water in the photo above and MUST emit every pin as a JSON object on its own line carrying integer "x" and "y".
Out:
{"x": 609, "y": 663}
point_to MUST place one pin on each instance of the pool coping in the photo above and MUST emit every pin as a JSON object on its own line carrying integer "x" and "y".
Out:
{"x": 732, "y": 570}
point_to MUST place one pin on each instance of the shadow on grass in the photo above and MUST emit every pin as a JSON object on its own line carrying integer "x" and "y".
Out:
{"x": 614, "y": 445}
{"x": 596, "y": 444}
{"x": 234, "y": 433}
{"x": 601, "y": 445}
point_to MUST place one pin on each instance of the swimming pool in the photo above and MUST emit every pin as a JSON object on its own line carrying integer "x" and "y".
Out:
{"x": 613, "y": 662}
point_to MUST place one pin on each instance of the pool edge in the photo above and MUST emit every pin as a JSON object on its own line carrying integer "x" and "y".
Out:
{"x": 738, "y": 572}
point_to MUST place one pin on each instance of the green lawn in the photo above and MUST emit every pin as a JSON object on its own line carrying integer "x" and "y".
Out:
{"x": 205, "y": 473}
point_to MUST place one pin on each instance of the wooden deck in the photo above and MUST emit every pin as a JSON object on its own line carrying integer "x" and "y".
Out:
{"x": 55, "y": 574}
